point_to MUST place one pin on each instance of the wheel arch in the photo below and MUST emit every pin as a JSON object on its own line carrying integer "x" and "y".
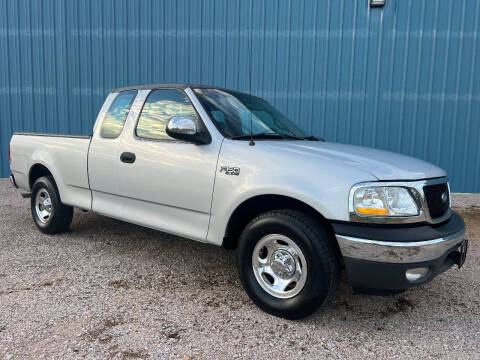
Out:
{"x": 36, "y": 171}
{"x": 254, "y": 206}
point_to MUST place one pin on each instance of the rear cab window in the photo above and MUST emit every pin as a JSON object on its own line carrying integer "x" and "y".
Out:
{"x": 114, "y": 120}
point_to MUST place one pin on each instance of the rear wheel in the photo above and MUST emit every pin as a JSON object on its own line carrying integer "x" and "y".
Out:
{"x": 287, "y": 263}
{"x": 49, "y": 214}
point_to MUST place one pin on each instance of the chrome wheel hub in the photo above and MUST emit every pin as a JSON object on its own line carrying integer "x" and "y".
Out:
{"x": 279, "y": 266}
{"x": 283, "y": 264}
{"x": 43, "y": 206}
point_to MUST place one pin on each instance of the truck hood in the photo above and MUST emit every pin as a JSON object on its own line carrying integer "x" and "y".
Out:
{"x": 384, "y": 165}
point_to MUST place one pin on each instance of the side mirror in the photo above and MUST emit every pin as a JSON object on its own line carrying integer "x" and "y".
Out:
{"x": 185, "y": 129}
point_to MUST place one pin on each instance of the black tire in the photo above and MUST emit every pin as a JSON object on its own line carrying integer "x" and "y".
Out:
{"x": 321, "y": 256}
{"x": 60, "y": 215}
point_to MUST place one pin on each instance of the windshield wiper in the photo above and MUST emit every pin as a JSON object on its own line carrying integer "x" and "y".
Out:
{"x": 312, "y": 138}
{"x": 269, "y": 135}
{"x": 264, "y": 135}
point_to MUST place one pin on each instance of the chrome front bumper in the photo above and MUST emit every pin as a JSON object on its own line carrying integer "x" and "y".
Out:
{"x": 397, "y": 252}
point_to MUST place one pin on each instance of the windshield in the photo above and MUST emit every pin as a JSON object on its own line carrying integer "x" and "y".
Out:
{"x": 233, "y": 111}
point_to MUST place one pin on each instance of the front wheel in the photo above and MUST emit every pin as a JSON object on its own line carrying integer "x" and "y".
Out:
{"x": 49, "y": 214}
{"x": 287, "y": 263}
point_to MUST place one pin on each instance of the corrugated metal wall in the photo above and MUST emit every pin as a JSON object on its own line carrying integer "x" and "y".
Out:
{"x": 404, "y": 78}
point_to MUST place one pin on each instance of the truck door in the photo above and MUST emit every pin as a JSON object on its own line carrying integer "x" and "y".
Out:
{"x": 165, "y": 183}
{"x": 103, "y": 153}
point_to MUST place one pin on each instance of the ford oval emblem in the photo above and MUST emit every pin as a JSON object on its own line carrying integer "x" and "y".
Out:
{"x": 444, "y": 197}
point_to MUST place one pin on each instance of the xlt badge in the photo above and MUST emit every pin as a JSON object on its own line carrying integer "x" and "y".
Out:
{"x": 230, "y": 170}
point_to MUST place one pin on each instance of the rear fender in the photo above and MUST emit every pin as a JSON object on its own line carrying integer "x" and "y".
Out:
{"x": 43, "y": 158}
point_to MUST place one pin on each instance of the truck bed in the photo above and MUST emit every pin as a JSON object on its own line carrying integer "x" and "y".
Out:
{"x": 66, "y": 156}
{"x": 53, "y": 135}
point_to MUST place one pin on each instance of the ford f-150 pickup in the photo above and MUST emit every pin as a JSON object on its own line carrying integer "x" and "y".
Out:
{"x": 227, "y": 168}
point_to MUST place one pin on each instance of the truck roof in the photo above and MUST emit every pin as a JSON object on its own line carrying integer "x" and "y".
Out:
{"x": 181, "y": 86}
{"x": 165, "y": 86}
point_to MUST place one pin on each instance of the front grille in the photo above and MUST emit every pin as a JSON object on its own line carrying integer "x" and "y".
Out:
{"x": 438, "y": 199}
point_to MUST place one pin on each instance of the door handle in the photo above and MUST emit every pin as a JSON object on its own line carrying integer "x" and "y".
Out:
{"x": 128, "y": 157}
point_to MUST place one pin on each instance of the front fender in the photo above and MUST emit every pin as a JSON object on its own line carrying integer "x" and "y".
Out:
{"x": 321, "y": 184}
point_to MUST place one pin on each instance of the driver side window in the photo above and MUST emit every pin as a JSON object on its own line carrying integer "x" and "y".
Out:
{"x": 160, "y": 106}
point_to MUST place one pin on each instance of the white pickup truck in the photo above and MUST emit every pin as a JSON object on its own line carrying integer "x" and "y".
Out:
{"x": 227, "y": 168}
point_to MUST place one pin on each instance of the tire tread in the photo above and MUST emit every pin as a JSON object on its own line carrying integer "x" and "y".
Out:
{"x": 62, "y": 214}
{"x": 314, "y": 230}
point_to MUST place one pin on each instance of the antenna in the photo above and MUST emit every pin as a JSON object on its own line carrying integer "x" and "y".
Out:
{"x": 251, "y": 143}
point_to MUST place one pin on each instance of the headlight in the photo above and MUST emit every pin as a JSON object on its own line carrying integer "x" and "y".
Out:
{"x": 384, "y": 201}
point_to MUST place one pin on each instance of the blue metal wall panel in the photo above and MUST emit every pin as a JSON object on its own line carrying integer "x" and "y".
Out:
{"x": 402, "y": 78}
